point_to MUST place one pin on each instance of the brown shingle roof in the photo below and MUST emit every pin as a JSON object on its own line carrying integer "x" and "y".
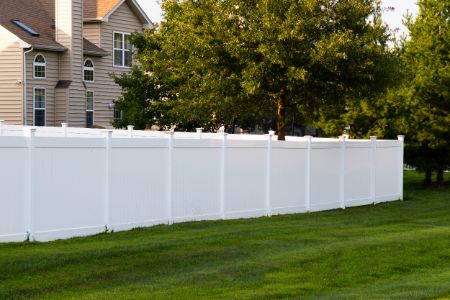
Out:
{"x": 98, "y": 9}
{"x": 33, "y": 14}
{"x": 91, "y": 49}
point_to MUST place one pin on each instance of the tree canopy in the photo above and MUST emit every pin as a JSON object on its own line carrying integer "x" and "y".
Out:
{"x": 419, "y": 106}
{"x": 212, "y": 62}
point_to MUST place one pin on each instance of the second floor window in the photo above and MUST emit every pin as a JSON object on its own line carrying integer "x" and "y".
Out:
{"x": 88, "y": 70}
{"x": 122, "y": 50}
{"x": 39, "y": 66}
{"x": 89, "y": 109}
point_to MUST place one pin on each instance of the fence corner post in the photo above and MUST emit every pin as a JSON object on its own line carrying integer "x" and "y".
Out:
{"x": 169, "y": 200}
{"x": 107, "y": 200}
{"x": 30, "y": 133}
{"x": 342, "y": 140}
{"x": 401, "y": 141}
{"x": 199, "y": 132}
{"x": 269, "y": 173}
{"x": 308, "y": 140}
{"x": 373, "y": 149}
{"x": 222, "y": 174}
{"x": 130, "y": 131}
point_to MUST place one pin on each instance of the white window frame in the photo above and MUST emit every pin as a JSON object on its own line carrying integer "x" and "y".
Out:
{"x": 89, "y": 69}
{"x": 34, "y": 105}
{"x": 123, "y": 50}
{"x": 39, "y": 64}
{"x": 90, "y": 110}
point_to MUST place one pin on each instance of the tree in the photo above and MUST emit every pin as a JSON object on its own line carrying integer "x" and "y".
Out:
{"x": 427, "y": 57}
{"x": 419, "y": 106}
{"x": 222, "y": 61}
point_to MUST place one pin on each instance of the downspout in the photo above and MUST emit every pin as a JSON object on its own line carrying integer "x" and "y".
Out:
{"x": 25, "y": 86}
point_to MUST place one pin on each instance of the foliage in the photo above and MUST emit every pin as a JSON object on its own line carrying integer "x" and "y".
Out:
{"x": 427, "y": 56}
{"x": 387, "y": 251}
{"x": 222, "y": 61}
{"x": 419, "y": 106}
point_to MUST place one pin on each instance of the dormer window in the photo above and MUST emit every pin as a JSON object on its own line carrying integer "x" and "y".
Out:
{"x": 122, "y": 50}
{"x": 88, "y": 70}
{"x": 39, "y": 66}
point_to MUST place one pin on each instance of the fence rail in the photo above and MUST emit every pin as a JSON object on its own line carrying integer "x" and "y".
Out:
{"x": 65, "y": 182}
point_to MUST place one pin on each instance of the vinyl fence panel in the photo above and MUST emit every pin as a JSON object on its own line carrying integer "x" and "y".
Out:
{"x": 65, "y": 182}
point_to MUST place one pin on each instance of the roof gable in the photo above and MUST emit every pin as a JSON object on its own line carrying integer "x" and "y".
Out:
{"x": 98, "y": 9}
{"x": 101, "y": 10}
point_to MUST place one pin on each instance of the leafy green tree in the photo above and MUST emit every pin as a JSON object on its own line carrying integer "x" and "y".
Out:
{"x": 221, "y": 61}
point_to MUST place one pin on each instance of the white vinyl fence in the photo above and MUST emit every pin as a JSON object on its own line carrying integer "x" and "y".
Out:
{"x": 65, "y": 182}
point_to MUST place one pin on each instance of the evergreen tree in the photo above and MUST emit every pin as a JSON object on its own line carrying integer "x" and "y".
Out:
{"x": 419, "y": 106}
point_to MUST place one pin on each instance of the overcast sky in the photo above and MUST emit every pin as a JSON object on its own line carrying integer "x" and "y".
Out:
{"x": 394, "y": 19}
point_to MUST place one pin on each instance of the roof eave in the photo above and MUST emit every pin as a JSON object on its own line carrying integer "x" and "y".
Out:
{"x": 49, "y": 48}
{"x": 141, "y": 13}
{"x": 95, "y": 53}
{"x": 136, "y": 8}
{"x": 93, "y": 20}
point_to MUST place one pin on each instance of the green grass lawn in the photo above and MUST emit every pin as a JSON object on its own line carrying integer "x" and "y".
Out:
{"x": 398, "y": 250}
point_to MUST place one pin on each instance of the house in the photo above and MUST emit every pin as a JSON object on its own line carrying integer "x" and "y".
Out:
{"x": 57, "y": 58}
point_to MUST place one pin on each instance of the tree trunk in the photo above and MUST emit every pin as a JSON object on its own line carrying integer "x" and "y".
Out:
{"x": 281, "y": 116}
{"x": 440, "y": 176}
{"x": 428, "y": 174}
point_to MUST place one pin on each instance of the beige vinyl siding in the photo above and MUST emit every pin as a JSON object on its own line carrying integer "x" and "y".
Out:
{"x": 61, "y": 98}
{"x": 77, "y": 108}
{"x": 49, "y": 83}
{"x": 11, "y": 93}
{"x": 92, "y": 32}
{"x": 69, "y": 24}
{"x": 105, "y": 90}
{"x": 64, "y": 33}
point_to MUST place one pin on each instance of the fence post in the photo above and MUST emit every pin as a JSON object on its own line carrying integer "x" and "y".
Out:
{"x": 1, "y": 127}
{"x": 342, "y": 140}
{"x": 130, "y": 131}
{"x": 30, "y": 133}
{"x": 401, "y": 141}
{"x": 169, "y": 199}
{"x": 64, "y": 126}
{"x": 373, "y": 149}
{"x": 199, "y": 132}
{"x": 269, "y": 172}
{"x": 107, "y": 200}
{"x": 308, "y": 139}
{"x": 222, "y": 175}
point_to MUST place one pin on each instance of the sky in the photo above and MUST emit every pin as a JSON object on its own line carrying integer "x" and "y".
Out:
{"x": 393, "y": 18}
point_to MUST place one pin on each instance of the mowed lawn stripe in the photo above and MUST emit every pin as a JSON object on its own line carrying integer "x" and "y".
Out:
{"x": 386, "y": 251}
